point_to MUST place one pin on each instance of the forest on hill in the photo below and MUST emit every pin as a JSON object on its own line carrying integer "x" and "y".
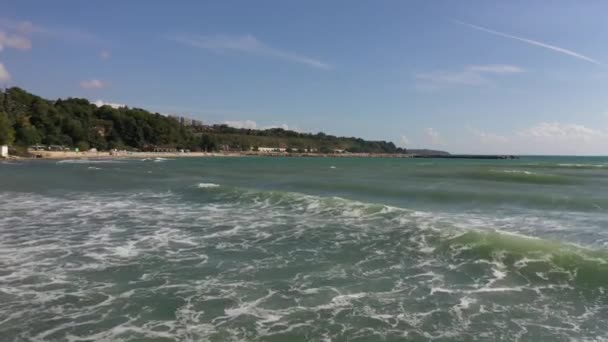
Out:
{"x": 27, "y": 120}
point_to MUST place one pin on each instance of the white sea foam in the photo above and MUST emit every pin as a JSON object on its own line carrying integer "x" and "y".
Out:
{"x": 91, "y": 161}
{"x": 523, "y": 172}
{"x": 126, "y": 251}
{"x": 582, "y": 165}
{"x": 207, "y": 185}
{"x": 260, "y": 265}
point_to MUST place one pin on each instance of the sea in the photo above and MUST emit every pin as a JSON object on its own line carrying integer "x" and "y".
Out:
{"x": 304, "y": 249}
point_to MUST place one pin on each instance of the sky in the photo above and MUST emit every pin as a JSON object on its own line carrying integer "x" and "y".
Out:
{"x": 508, "y": 77}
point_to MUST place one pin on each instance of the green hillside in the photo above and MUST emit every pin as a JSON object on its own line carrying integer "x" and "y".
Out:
{"x": 27, "y": 119}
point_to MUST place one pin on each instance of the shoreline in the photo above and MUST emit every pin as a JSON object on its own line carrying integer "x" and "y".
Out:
{"x": 69, "y": 155}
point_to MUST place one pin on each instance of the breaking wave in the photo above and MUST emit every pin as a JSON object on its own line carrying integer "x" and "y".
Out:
{"x": 207, "y": 185}
{"x": 90, "y": 161}
{"x": 586, "y": 266}
{"x": 245, "y": 264}
{"x": 522, "y": 176}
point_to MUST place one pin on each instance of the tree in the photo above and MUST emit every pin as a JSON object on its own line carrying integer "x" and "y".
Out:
{"x": 83, "y": 146}
{"x": 325, "y": 149}
{"x": 7, "y": 133}
{"x": 28, "y": 120}
{"x": 26, "y": 133}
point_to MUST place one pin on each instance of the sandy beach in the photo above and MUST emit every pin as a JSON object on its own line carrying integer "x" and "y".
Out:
{"x": 58, "y": 155}
{"x": 113, "y": 155}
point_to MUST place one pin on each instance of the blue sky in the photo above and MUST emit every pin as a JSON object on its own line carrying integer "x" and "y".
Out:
{"x": 474, "y": 76}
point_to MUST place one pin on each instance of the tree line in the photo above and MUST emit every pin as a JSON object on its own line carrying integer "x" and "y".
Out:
{"x": 27, "y": 120}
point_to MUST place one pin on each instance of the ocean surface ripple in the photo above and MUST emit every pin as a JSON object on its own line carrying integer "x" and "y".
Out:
{"x": 189, "y": 254}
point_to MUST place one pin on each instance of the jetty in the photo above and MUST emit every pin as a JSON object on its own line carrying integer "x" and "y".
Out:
{"x": 468, "y": 156}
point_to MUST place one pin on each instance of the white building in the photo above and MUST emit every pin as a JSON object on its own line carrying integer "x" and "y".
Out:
{"x": 3, "y": 151}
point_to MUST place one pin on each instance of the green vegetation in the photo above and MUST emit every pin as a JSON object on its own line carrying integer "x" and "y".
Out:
{"x": 27, "y": 120}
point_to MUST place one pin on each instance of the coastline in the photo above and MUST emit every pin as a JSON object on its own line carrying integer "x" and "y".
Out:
{"x": 68, "y": 155}
{"x": 71, "y": 155}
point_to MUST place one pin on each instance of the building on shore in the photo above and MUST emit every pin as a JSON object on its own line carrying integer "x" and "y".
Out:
{"x": 37, "y": 148}
{"x": 186, "y": 121}
{"x": 58, "y": 148}
{"x": 3, "y": 151}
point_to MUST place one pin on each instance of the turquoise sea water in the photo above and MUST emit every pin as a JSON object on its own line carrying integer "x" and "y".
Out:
{"x": 304, "y": 249}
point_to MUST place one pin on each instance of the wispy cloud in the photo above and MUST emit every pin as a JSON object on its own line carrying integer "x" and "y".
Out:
{"x": 15, "y": 37}
{"x": 442, "y": 77}
{"x": 93, "y": 84}
{"x": 533, "y": 42}
{"x": 19, "y": 34}
{"x": 26, "y": 28}
{"x": 282, "y": 126}
{"x": 561, "y": 138}
{"x": 101, "y": 103}
{"x": 472, "y": 75}
{"x": 536, "y": 138}
{"x": 245, "y": 44}
{"x": 495, "y": 68}
{"x": 488, "y": 137}
{"x": 556, "y": 130}
{"x": 248, "y": 124}
{"x": 14, "y": 41}
{"x": 433, "y": 137}
{"x": 105, "y": 55}
{"x": 5, "y": 76}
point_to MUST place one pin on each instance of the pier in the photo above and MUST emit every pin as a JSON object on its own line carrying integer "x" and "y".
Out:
{"x": 468, "y": 156}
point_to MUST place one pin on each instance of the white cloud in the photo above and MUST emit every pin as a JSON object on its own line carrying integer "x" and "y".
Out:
{"x": 246, "y": 44}
{"x": 100, "y": 103}
{"x": 105, "y": 55}
{"x": 452, "y": 78}
{"x": 14, "y": 41}
{"x": 560, "y": 131}
{"x": 496, "y": 68}
{"x": 473, "y": 75}
{"x": 248, "y": 124}
{"x": 93, "y": 84}
{"x": 533, "y": 42}
{"x": 4, "y": 74}
{"x": 543, "y": 138}
{"x": 561, "y": 138}
{"x": 404, "y": 141}
{"x": 24, "y": 27}
{"x": 488, "y": 138}
{"x": 66, "y": 34}
{"x": 434, "y": 137}
{"x": 283, "y": 126}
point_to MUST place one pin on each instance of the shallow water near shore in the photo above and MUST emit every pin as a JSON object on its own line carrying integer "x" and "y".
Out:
{"x": 301, "y": 249}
